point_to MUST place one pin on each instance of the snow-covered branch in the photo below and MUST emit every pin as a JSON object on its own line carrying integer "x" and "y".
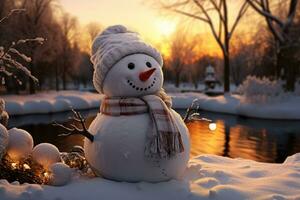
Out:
{"x": 8, "y": 62}
{"x": 12, "y": 12}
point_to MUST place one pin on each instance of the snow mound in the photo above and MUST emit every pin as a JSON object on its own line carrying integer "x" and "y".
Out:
{"x": 260, "y": 89}
{"x": 289, "y": 109}
{"x": 207, "y": 177}
{"x": 50, "y": 102}
{"x": 183, "y": 100}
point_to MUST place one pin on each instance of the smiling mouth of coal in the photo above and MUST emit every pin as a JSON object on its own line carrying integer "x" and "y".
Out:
{"x": 141, "y": 88}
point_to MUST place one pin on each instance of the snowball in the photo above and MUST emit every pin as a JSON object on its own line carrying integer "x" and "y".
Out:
{"x": 60, "y": 174}
{"x": 3, "y": 140}
{"x": 46, "y": 154}
{"x": 20, "y": 143}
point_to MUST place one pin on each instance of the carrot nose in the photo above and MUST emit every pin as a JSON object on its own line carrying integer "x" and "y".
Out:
{"x": 144, "y": 76}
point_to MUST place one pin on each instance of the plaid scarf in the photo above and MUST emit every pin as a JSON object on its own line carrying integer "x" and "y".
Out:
{"x": 165, "y": 141}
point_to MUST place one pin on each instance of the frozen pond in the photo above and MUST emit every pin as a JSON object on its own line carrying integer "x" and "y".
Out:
{"x": 261, "y": 140}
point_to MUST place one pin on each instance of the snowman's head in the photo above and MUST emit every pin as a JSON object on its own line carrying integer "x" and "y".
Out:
{"x": 134, "y": 75}
{"x": 125, "y": 66}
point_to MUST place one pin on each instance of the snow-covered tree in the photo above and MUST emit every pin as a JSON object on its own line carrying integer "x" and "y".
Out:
{"x": 9, "y": 55}
{"x": 9, "y": 63}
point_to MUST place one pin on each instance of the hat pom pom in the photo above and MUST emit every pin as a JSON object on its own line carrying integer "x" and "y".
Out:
{"x": 110, "y": 30}
{"x": 115, "y": 30}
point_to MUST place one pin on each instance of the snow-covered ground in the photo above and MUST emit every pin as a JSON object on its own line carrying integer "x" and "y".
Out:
{"x": 287, "y": 107}
{"x": 189, "y": 87}
{"x": 207, "y": 177}
{"x": 51, "y": 102}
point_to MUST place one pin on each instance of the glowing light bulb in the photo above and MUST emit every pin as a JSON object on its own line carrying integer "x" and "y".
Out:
{"x": 212, "y": 126}
{"x": 14, "y": 165}
{"x": 26, "y": 166}
{"x": 46, "y": 174}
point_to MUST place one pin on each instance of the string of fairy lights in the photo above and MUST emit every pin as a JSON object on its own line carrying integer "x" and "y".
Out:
{"x": 26, "y": 170}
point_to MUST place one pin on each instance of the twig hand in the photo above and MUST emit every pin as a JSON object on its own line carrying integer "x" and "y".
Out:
{"x": 74, "y": 130}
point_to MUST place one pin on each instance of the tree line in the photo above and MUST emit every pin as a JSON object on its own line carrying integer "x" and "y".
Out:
{"x": 60, "y": 60}
{"x": 273, "y": 51}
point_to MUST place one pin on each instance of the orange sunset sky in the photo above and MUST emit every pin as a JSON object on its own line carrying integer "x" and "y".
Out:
{"x": 136, "y": 14}
{"x": 153, "y": 24}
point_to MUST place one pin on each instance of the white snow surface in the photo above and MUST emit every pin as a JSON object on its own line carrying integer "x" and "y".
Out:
{"x": 282, "y": 107}
{"x": 286, "y": 108}
{"x": 206, "y": 177}
{"x": 50, "y": 102}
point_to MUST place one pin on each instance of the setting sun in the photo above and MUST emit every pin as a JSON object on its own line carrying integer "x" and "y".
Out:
{"x": 166, "y": 28}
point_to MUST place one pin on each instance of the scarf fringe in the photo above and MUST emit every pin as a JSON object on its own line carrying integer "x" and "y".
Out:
{"x": 163, "y": 144}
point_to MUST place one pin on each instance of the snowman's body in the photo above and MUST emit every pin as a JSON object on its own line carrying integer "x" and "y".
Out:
{"x": 117, "y": 151}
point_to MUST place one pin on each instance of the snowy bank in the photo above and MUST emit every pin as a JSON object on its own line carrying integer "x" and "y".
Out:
{"x": 51, "y": 102}
{"x": 206, "y": 177}
{"x": 287, "y": 108}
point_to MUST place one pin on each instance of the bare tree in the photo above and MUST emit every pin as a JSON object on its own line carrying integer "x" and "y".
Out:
{"x": 246, "y": 56}
{"x": 93, "y": 29}
{"x": 34, "y": 23}
{"x": 69, "y": 46}
{"x": 221, "y": 29}
{"x": 182, "y": 52}
{"x": 280, "y": 28}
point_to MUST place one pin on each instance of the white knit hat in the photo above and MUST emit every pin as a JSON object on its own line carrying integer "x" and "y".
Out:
{"x": 113, "y": 44}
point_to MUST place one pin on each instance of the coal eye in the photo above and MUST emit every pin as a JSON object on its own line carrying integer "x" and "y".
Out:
{"x": 131, "y": 66}
{"x": 149, "y": 64}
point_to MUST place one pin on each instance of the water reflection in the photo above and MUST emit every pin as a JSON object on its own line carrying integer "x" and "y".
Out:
{"x": 260, "y": 140}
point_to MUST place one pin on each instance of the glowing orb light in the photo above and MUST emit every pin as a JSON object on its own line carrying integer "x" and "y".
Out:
{"x": 26, "y": 166}
{"x": 212, "y": 126}
{"x": 14, "y": 165}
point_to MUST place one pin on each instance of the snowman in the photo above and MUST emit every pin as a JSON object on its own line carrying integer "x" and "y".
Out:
{"x": 136, "y": 136}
